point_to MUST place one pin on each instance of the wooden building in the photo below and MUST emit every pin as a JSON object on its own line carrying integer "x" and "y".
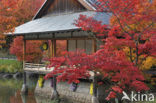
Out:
{"x": 55, "y": 21}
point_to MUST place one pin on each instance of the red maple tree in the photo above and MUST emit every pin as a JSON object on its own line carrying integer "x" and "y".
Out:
{"x": 132, "y": 27}
{"x": 14, "y": 13}
{"x": 33, "y": 51}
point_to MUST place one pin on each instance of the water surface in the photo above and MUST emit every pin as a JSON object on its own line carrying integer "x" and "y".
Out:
{"x": 10, "y": 91}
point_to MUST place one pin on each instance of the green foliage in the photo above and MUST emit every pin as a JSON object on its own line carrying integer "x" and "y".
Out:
{"x": 10, "y": 66}
{"x": 11, "y": 83}
{"x": 4, "y": 53}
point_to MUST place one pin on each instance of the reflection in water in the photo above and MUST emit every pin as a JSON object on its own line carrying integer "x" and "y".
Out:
{"x": 10, "y": 91}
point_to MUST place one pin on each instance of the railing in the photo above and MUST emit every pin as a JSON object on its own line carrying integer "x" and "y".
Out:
{"x": 38, "y": 68}
{"x": 8, "y": 58}
{"x": 32, "y": 65}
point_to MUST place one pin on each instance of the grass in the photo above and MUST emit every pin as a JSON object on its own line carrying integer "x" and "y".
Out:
{"x": 10, "y": 66}
{"x": 7, "y": 62}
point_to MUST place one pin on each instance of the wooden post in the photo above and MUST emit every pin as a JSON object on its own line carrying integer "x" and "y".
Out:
{"x": 55, "y": 94}
{"x": 24, "y": 89}
{"x": 67, "y": 49}
{"x": 94, "y": 86}
{"x": 53, "y": 48}
{"x": 94, "y": 46}
{"x": 94, "y": 97}
{"x": 54, "y": 81}
{"x": 24, "y": 52}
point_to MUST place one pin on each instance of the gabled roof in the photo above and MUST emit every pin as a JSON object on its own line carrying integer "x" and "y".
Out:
{"x": 46, "y": 4}
{"x": 88, "y": 4}
{"x": 58, "y": 23}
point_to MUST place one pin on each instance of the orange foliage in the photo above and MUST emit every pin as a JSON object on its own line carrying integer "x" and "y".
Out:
{"x": 33, "y": 51}
{"x": 16, "y": 12}
{"x": 61, "y": 46}
{"x": 144, "y": 13}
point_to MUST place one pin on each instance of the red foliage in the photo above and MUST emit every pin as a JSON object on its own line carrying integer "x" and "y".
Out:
{"x": 33, "y": 51}
{"x": 7, "y": 21}
{"x": 117, "y": 89}
{"x": 133, "y": 24}
{"x": 111, "y": 95}
{"x": 114, "y": 64}
{"x": 70, "y": 66}
{"x": 16, "y": 12}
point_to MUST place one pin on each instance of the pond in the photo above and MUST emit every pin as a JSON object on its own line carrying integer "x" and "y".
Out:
{"x": 10, "y": 92}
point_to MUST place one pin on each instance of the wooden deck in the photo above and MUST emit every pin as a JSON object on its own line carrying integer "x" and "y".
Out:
{"x": 37, "y": 68}
{"x": 42, "y": 69}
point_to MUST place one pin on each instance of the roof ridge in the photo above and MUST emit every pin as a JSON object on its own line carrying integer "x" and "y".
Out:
{"x": 69, "y": 13}
{"x": 85, "y": 3}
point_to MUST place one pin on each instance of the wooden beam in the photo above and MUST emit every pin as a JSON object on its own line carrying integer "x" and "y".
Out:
{"x": 94, "y": 46}
{"x": 24, "y": 52}
{"x": 59, "y": 35}
{"x": 53, "y": 48}
{"x": 87, "y": 5}
{"x": 55, "y": 93}
{"x": 74, "y": 38}
{"x": 67, "y": 49}
{"x": 24, "y": 89}
{"x": 54, "y": 42}
{"x": 43, "y": 10}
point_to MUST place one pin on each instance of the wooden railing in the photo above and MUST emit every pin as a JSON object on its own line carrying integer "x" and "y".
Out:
{"x": 37, "y": 68}
{"x": 42, "y": 69}
{"x": 32, "y": 65}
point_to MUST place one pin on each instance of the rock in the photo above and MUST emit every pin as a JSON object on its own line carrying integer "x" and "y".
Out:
{"x": 1, "y": 75}
{"x": 18, "y": 75}
{"x": 7, "y": 76}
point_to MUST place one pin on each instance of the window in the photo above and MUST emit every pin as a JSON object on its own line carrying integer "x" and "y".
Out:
{"x": 73, "y": 45}
{"x": 61, "y": 45}
{"x": 86, "y": 45}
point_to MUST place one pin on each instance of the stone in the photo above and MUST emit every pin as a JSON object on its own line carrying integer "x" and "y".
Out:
{"x": 95, "y": 99}
{"x": 18, "y": 75}
{"x": 7, "y": 76}
{"x": 1, "y": 74}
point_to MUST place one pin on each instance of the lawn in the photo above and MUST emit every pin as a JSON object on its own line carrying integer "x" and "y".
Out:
{"x": 7, "y": 62}
{"x": 10, "y": 66}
